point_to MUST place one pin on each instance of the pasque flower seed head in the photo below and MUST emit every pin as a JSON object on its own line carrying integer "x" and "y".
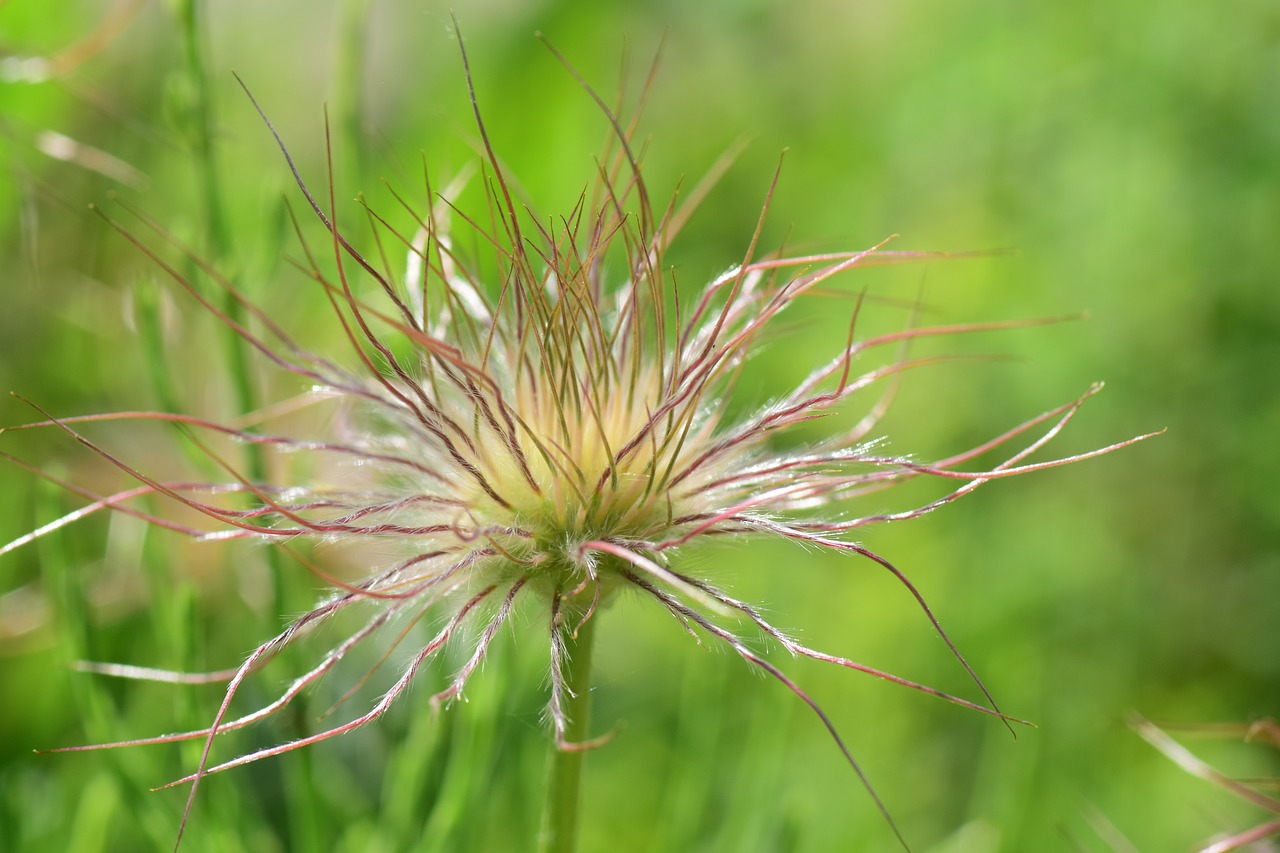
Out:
{"x": 550, "y": 424}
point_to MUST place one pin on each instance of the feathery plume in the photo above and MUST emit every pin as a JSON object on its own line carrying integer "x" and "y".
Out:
{"x": 547, "y": 424}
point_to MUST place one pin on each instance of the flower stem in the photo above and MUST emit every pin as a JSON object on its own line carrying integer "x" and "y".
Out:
{"x": 560, "y": 819}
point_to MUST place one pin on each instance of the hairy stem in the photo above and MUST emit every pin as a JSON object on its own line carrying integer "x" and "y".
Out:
{"x": 560, "y": 818}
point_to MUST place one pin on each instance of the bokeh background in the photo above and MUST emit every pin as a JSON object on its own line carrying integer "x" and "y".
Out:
{"x": 1129, "y": 154}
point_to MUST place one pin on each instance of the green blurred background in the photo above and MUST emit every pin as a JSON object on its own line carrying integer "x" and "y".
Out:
{"x": 1129, "y": 152}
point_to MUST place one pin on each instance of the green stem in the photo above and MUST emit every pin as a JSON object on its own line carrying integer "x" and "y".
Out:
{"x": 217, "y": 232}
{"x": 560, "y": 820}
{"x": 307, "y": 826}
{"x": 200, "y": 127}
{"x": 351, "y": 77}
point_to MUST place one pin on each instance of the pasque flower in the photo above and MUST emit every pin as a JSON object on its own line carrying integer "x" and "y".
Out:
{"x": 546, "y": 420}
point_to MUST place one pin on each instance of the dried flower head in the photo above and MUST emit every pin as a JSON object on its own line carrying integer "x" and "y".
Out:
{"x": 548, "y": 421}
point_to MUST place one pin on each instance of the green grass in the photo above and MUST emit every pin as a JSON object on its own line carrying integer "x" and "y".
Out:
{"x": 1127, "y": 153}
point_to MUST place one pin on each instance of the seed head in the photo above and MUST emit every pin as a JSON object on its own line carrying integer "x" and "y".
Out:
{"x": 549, "y": 423}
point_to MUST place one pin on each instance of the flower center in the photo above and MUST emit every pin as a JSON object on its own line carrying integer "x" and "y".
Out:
{"x": 594, "y": 464}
